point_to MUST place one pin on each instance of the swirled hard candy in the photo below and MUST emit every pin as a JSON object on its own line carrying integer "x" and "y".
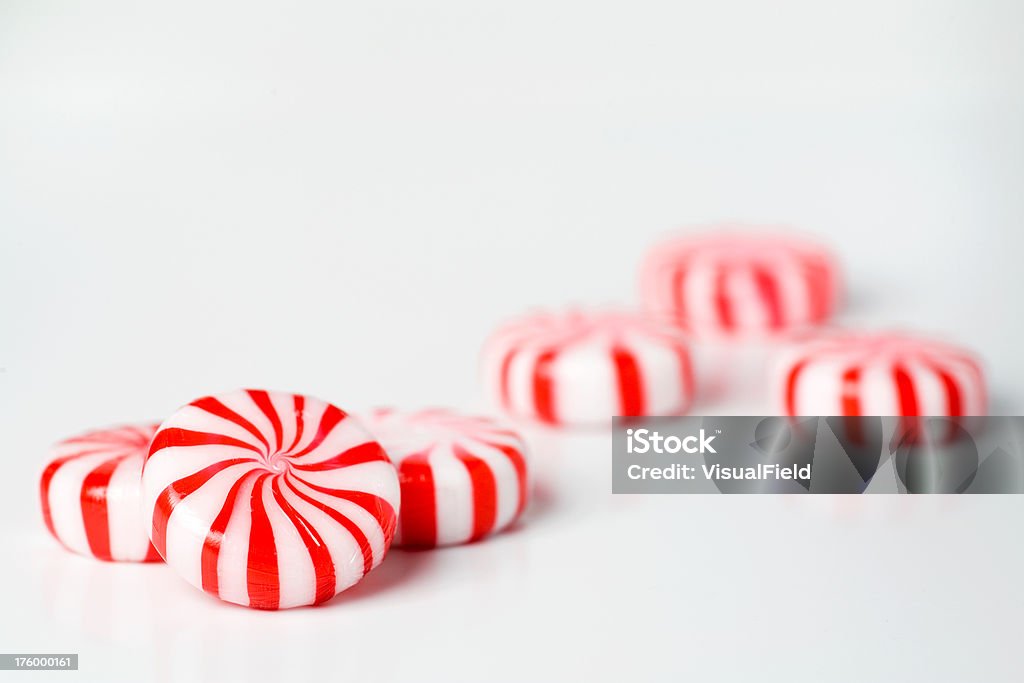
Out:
{"x": 879, "y": 374}
{"x": 90, "y": 494}
{"x": 462, "y": 478}
{"x": 729, "y": 282}
{"x": 267, "y": 499}
{"x": 584, "y": 367}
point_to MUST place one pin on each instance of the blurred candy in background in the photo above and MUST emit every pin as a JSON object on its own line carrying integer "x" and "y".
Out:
{"x": 741, "y": 301}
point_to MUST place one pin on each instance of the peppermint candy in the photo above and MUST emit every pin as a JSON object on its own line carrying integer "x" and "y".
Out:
{"x": 462, "y": 478}
{"x": 731, "y": 283}
{"x": 90, "y": 494}
{"x": 879, "y": 374}
{"x": 583, "y": 368}
{"x": 269, "y": 500}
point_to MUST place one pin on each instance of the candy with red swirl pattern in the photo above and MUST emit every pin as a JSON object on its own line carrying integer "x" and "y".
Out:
{"x": 879, "y": 374}
{"x": 584, "y": 367}
{"x": 267, "y": 499}
{"x": 90, "y": 494}
{"x": 732, "y": 282}
{"x": 462, "y": 477}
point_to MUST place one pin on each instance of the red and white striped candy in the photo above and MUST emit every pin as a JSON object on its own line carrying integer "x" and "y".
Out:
{"x": 583, "y": 368}
{"x": 90, "y": 493}
{"x": 462, "y": 477}
{"x": 734, "y": 283}
{"x": 879, "y": 374}
{"x": 267, "y": 499}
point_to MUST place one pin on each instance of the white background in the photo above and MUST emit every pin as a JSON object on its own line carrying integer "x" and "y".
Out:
{"x": 343, "y": 200}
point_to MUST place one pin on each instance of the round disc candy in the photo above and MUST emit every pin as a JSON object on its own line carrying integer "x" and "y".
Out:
{"x": 879, "y": 374}
{"x": 267, "y": 499}
{"x": 731, "y": 283}
{"x": 91, "y": 495}
{"x": 583, "y": 368}
{"x": 462, "y": 477}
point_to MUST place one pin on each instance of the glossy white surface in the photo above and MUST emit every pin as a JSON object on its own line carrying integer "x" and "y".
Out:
{"x": 345, "y": 201}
